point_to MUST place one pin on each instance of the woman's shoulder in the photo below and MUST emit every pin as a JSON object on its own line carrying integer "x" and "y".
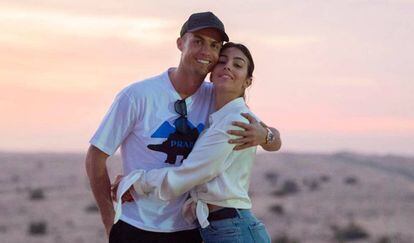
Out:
{"x": 235, "y": 116}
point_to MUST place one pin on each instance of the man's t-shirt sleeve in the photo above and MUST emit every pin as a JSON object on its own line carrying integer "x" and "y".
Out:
{"x": 118, "y": 122}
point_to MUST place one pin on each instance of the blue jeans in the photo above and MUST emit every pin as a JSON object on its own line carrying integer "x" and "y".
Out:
{"x": 245, "y": 228}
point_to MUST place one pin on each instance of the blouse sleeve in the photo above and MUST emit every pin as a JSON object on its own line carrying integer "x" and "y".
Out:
{"x": 209, "y": 158}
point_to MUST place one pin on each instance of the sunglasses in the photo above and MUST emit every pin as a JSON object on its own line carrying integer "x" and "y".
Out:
{"x": 181, "y": 123}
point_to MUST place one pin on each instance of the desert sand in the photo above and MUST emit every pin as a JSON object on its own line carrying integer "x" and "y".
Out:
{"x": 314, "y": 198}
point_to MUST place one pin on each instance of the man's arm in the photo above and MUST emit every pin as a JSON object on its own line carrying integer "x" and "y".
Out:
{"x": 254, "y": 133}
{"x": 275, "y": 144}
{"x": 101, "y": 186}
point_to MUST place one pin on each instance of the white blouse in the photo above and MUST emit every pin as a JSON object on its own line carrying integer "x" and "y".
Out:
{"x": 213, "y": 172}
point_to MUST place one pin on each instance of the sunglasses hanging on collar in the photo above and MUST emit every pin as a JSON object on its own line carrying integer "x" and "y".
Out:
{"x": 181, "y": 123}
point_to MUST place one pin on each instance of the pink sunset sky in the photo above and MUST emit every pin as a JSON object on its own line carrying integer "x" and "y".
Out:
{"x": 330, "y": 75}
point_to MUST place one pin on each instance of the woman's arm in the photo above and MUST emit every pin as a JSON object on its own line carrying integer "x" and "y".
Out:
{"x": 209, "y": 157}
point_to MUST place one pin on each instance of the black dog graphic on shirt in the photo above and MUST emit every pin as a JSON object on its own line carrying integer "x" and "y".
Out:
{"x": 176, "y": 144}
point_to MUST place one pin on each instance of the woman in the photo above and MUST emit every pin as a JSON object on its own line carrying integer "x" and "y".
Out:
{"x": 216, "y": 175}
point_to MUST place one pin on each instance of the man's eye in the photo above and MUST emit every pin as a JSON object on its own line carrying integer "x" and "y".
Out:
{"x": 215, "y": 46}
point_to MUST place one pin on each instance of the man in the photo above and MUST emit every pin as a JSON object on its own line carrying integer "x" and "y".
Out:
{"x": 156, "y": 122}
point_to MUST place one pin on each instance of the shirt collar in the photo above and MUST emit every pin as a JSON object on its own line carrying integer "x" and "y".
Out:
{"x": 167, "y": 80}
{"x": 228, "y": 108}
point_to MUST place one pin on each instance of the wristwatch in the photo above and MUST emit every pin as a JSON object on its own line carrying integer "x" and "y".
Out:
{"x": 270, "y": 137}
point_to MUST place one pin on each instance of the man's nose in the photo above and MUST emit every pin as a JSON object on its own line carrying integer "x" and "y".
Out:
{"x": 207, "y": 50}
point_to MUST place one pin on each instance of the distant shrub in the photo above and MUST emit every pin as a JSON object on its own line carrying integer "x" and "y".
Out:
{"x": 284, "y": 239}
{"x": 92, "y": 208}
{"x": 324, "y": 178}
{"x": 37, "y": 228}
{"x": 351, "y": 180}
{"x": 349, "y": 233}
{"x": 272, "y": 177}
{"x": 37, "y": 194}
{"x": 277, "y": 209}
{"x": 390, "y": 239}
{"x": 312, "y": 184}
{"x": 385, "y": 239}
{"x": 289, "y": 187}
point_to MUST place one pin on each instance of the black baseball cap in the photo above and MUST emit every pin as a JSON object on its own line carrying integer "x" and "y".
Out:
{"x": 198, "y": 21}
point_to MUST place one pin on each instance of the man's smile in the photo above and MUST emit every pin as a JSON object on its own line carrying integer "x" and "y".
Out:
{"x": 203, "y": 61}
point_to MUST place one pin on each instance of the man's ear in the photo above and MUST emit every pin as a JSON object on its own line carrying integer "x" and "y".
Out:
{"x": 180, "y": 43}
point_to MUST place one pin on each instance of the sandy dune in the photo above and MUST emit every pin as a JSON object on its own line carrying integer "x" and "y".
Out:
{"x": 304, "y": 197}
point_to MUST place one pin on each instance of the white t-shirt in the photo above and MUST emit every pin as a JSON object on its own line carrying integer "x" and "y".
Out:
{"x": 214, "y": 172}
{"x": 141, "y": 121}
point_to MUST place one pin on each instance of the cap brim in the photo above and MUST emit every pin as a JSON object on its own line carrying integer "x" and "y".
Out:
{"x": 224, "y": 36}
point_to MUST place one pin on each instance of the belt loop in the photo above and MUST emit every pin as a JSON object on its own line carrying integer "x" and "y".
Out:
{"x": 239, "y": 213}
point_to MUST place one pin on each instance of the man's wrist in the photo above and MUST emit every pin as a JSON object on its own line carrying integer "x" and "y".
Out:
{"x": 265, "y": 140}
{"x": 270, "y": 136}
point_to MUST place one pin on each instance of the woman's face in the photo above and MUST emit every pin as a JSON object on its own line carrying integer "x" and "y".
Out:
{"x": 230, "y": 73}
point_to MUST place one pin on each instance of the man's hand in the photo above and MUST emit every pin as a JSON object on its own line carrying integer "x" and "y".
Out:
{"x": 254, "y": 133}
{"x": 127, "y": 197}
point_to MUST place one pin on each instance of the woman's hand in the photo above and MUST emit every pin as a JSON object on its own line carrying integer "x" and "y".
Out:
{"x": 127, "y": 197}
{"x": 253, "y": 134}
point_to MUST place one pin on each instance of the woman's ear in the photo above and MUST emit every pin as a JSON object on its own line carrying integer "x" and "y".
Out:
{"x": 248, "y": 82}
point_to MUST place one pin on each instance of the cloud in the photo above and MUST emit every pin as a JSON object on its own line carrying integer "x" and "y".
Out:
{"x": 34, "y": 25}
{"x": 278, "y": 41}
{"x": 59, "y": 50}
{"x": 339, "y": 67}
{"x": 350, "y": 82}
{"x": 290, "y": 41}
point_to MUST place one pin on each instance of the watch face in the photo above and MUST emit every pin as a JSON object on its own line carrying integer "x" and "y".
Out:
{"x": 270, "y": 136}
